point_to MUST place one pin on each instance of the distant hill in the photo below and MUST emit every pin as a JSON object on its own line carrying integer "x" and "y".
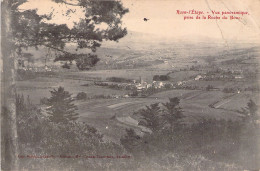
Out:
{"x": 145, "y": 50}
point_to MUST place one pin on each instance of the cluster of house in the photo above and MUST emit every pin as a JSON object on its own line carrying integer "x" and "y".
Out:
{"x": 37, "y": 69}
{"x": 135, "y": 85}
{"x": 141, "y": 85}
{"x": 144, "y": 85}
{"x": 218, "y": 76}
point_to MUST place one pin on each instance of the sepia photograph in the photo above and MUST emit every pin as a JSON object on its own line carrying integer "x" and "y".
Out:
{"x": 130, "y": 85}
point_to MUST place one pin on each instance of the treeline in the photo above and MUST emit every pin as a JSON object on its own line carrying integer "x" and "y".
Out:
{"x": 232, "y": 61}
{"x": 115, "y": 86}
{"x": 229, "y": 90}
{"x": 119, "y": 80}
{"x": 234, "y": 90}
{"x": 161, "y": 78}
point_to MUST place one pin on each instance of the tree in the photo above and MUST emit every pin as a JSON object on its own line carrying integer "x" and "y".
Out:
{"x": 252, "y": 107}
{"x": 31, "y": 30}
{"x": 209, "y": 87}
{"x": 9, "y": 145}
{"x": 173, "y": 112}
{"x": 22, "y": 29}
{"x": 150, "y": 117}
{"x": 60, "y": 106}
{"x": 156, "y": 118}
{"x": 250, "y": 112}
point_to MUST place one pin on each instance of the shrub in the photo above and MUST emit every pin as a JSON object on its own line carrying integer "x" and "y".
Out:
{"x": 229, "y": 90}
{"x": 209, "y": 87}
{"x": 25, "y": 75}
{"x": 81, "y": 96}
{"x": 43, "y": 100}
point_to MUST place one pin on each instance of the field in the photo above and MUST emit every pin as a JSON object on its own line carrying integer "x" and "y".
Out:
{"x": 183, "y": 75}
{"x": 223, "y": 84}
{"x": 108, "y": 115}
{"x": 40, "y": 87}
{"x": 199, "y": 107}
{"x": 238, "y": 101}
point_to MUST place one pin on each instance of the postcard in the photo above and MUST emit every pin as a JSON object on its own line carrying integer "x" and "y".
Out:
{"x": 130, "y": 85}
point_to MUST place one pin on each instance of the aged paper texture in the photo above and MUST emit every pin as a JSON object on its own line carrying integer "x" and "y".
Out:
{"x": 130, "y": 85}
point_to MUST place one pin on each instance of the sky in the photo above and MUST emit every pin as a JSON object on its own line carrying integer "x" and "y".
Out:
{"x": 164, "y": 20}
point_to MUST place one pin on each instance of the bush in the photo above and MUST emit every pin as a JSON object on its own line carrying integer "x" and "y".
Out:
{"x": 25, "y": 75}
{"x": 229, "y": 90}
{"x": 81, "y": 96}
{"x": 209, "y": 87}
{"x": 43, "y": 100}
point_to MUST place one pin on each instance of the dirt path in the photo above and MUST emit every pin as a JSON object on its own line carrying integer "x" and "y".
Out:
{"x": 192, "y": 96}
{"x": 132, "y": 122}
{"x": 223, "y": 101}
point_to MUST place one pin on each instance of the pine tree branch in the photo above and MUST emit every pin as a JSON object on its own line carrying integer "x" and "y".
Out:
{"x": 68, "y": 3}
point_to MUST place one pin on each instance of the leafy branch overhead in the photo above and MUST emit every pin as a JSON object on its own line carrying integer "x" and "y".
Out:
{"x": 30, "y": 29}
